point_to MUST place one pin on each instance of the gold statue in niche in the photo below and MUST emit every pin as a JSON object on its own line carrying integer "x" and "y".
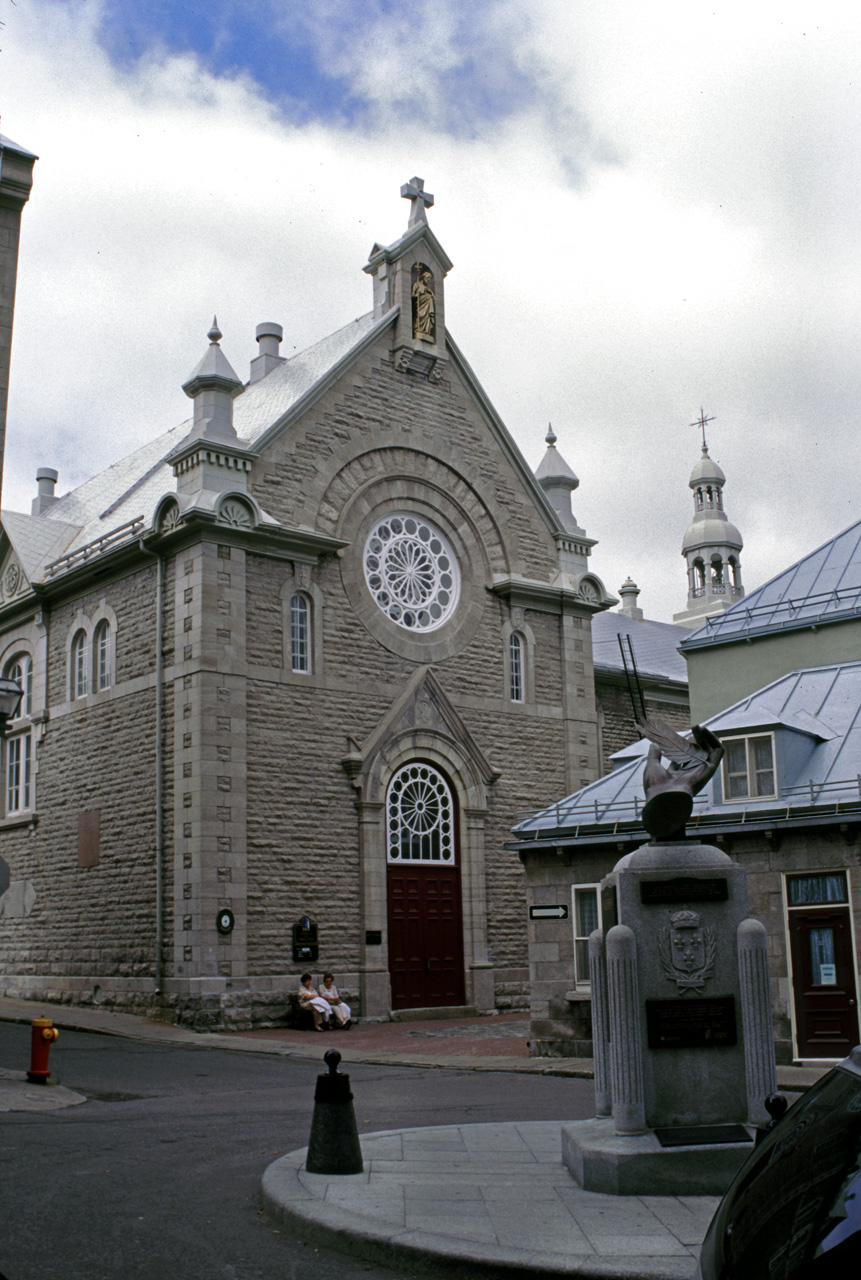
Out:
{"x": 424, "y": 305}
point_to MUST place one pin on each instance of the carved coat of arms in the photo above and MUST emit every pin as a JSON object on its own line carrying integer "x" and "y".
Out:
{"x": 687, "y": 951}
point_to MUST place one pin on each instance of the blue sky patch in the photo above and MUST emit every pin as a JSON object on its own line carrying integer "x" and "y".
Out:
{"x": 310, "y": 67}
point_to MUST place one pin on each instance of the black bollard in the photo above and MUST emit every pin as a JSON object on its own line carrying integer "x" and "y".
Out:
{"x": 334, "y": 1143}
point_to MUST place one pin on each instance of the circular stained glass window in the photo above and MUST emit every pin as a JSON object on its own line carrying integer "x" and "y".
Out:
{"x": 411, "y": 572}
{"x": 419, "y": 816}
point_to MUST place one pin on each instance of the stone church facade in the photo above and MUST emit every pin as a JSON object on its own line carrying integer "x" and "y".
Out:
{"x": 309, "y": 654}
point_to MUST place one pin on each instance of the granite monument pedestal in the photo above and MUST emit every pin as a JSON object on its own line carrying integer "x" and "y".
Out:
{"x": 681, "y": 1027}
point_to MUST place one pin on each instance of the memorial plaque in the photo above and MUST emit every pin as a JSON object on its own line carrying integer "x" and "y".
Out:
{"x": 609, "y": 908}
{"x": 691, "y": 1024}
{"x": 702, "y": 1135}
{"x": 684, "y": 889}
{"x": 305, "y": 941}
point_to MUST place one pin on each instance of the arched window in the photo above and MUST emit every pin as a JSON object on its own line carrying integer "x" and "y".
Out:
{"x": 102, "y": 656}
{"x": 18, "y": 788}
{"x": 300, "y": 637}
{"x": 420, "y": 817}
{"x": 717, "y": 571}
{"x": 80, "y": 684}
{"x": 698, "y": 577}
{"x": 21, "y": 671}
{"x": 18, "y": 745}
{"x": 515, "y": 667}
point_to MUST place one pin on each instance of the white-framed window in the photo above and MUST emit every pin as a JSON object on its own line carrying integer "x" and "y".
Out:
{"x": 586, "y": 913}
{"x": 80, "y": 684}
{"x": 420, "y": 817}
{"x": 411, "y": 572}
{"x": 102, "y": 656}
{"x": 515, "y": 667}
{"x": 20, "y": 670}
{"x": 748, "y": 768}
{"x": 18, "y": 771}
{"x": 300, "y": 633}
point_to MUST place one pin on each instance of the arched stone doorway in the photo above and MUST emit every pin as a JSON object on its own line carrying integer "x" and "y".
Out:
{"x": 421, "y": 729}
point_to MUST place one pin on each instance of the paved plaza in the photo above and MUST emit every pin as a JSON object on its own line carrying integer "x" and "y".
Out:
{"x": 486, "y": 1196}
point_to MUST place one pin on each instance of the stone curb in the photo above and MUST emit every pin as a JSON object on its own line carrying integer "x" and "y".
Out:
{"x": 18, "y": 1094}
{"x": 288, "y": 1199}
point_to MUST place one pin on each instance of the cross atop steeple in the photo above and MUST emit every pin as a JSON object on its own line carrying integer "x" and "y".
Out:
{"x": 701, "y": 423}
{"x": 414, "y": 190}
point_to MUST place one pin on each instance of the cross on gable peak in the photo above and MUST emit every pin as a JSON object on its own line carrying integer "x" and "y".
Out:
{"x": 421, "y": 200}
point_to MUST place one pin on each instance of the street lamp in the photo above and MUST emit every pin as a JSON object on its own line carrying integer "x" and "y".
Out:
{"x": 11, "y": 694}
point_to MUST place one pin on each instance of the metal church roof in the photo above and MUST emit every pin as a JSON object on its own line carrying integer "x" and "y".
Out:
{"x": 655, "y": 644}
{"x": 821, "y": 703}
{"x": 821, "y": 588}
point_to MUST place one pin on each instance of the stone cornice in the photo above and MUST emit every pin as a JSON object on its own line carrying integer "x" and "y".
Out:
{"x": 546, "y": 598}
{"x": 127, "y": 557}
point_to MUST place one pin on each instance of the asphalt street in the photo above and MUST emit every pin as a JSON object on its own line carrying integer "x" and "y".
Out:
{"x": 157, "y": 1174}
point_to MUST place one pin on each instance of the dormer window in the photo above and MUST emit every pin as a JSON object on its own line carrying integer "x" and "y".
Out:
{"x": 748, "y": 768}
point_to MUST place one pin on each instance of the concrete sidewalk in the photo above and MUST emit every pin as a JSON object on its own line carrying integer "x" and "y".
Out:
{"x": 486, "y": 1199}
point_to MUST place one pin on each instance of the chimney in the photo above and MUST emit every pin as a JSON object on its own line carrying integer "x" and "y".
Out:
{"x": 269, "y": 337}
{"x": 629, "y": 592}
{"x": 46, "y": 478}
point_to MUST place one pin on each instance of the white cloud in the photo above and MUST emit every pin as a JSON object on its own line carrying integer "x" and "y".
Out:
{"x": 670, "y": 221}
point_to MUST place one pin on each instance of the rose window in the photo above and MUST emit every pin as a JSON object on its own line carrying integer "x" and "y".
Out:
{"x": 411, "y": 572}
{"x": 419, "y": 815}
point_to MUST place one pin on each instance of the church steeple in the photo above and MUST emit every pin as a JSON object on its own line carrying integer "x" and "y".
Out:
{"x": 409, "y": 275}
{"x": 711, "y": 546}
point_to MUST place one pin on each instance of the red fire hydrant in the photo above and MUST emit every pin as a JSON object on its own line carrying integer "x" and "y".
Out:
{"x": 43, "y": 1033}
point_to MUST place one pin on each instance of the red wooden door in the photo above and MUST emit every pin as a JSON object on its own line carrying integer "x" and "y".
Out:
{"x": 823, "y": 980}
{"x": 425, "y": 936}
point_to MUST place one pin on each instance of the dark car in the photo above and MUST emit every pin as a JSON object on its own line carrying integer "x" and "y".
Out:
{"x": 794, "y": 1209}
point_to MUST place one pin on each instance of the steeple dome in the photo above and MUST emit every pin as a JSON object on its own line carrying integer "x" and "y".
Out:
{"x": 711, "y": 546}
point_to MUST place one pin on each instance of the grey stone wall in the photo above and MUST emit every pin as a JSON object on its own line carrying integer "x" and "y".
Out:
{"x": 261, "y": 815}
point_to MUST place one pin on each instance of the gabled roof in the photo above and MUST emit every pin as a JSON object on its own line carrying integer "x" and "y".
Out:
{"x": 132, "y": 487}
{"x": 655, "y": 644}
{"x": 36, "y": 541}
{"x": 821, "y": 588}
{"x": 823, "y": 703}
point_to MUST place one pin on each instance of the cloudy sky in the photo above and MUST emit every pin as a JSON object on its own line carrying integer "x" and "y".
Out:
{"x": 649, "y": 207}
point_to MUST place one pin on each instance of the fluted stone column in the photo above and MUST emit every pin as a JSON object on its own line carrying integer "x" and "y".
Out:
{"x": 759, "y": 1069}
{"x": 600, "y": 1024}
{"x": 626, "y": 1047}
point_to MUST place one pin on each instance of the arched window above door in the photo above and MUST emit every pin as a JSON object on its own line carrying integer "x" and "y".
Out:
{"x": 420, "y": 817}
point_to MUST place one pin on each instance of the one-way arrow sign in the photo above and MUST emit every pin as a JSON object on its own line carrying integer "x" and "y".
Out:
{"x": 549, "y": 913}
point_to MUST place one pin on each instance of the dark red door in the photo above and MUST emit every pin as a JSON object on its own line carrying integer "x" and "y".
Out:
{"x": 425, "y": 936}
{"x": 823, "y": 980}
